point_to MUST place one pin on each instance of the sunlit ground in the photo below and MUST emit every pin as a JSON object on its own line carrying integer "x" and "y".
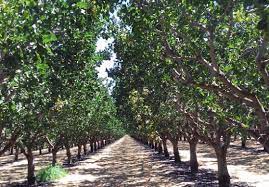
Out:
{"x": 129, "y": 163}
{"x": 245, "y": 165}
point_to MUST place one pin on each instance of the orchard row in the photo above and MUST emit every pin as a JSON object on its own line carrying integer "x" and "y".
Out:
{"x": 194, "y": 69}
{"x": 50, "y": 92}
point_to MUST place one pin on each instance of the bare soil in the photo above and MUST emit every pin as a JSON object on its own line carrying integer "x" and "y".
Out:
{"x": 126, "y": 162}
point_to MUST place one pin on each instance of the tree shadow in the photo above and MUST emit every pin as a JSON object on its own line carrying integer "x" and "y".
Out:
{"x": 252, "y": 158}
{"x": 134, "y": 164}
{"x": 14, "y": 173}
{"x": 130, "y": 163}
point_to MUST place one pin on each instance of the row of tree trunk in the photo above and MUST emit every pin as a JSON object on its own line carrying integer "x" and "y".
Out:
{"x": 28, "y": 151}
{"x": 160, "y": 145}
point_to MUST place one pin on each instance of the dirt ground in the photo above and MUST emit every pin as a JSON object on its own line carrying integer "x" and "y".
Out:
{"x": 129, "y": 163}
{"x": 248, "y": 165}
{"x": 15, "y": 172}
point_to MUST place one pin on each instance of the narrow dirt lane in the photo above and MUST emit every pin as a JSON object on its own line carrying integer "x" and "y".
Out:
{"x": 128, "y": 163}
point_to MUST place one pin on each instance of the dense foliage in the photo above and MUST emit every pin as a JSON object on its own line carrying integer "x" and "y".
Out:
{"x": 197, "y": 69}
{"x": 50, "y": 92}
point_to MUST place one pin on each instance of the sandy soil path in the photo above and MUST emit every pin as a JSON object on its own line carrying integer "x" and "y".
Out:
{"x": 129, "y": 163}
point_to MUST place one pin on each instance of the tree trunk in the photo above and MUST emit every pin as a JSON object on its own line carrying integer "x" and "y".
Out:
{"x": 40, "y": 150}
{"x": 160, "y": 148}
{"x": 107, "y": 141}
{"x": 262, "y": 139}
{"x": 16, "y": 157}
{"x": 31, "y": 179}
{"x": 11, "y": 151}
{"x": 79, "y": 152}
{"x": 265, "y": 145}
{"x": 145, "y": 141}
{"x": 243, "y": 142}
{"x": 235, "y": 137}
{"x": 156, "y": 146}
{"x": 165, "y": 150}
{"x": 9, "y": 144}
{"x": 54, "y": 156}
{"x": 223, "y": 174}
{"x": 85, "y": 148}
{"x": 68, "y": 153}
{"x": 95, "y": 146}
{"x": 49, "y": 149}
{"x": 98, "y": 144}
{"x": 152, "y": 144}
{"x": 102, "y": 143}
{"x": 193, "y": 156}
{"x": 176, "y": 152}
{"x": 92, "y": 149}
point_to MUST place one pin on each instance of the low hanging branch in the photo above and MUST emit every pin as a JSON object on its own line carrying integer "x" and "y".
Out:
{"x": 228, "y": 89}
{"x": 10, "y": 142}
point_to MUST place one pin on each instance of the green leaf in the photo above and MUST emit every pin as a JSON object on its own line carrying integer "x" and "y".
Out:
{"x": 82, "y": 5}
{"x": 42, "y": 68}
{"x": 48, "y": 38}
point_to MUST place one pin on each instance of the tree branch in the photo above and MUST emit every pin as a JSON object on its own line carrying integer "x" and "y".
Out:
{"x": 261, "y": 63}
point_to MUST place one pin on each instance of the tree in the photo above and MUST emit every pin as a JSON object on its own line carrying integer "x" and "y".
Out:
{"x": 48, "y": 74}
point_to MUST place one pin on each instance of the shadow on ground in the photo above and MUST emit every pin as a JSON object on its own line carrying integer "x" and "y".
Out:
{"x": 129, "y": 163}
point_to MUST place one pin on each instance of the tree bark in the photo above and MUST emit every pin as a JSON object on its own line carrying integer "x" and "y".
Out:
{"x": 85, "y": 150}
{"x": 235, "y": 137}
{"x": 10, "y": 143}
{"x": 31, "y": 179}
{"x": 223, "y": 174}
{"x": 98, "y": 144}
{"x": 54, "y": 156}
{"x": 95, "y": 146}
{"x": 92, "y": 149}
{"x": 176, "y": 152}
{"x": 152, "y": 144}
{"x": 243, "y": 142}
{"x": 264, "y": 140}
{"x": 165, "y": 150}
{"x": 79, "y": 152}
{"x": 160, "y": 148}
{"x": 193, "y": 156}
{"x": 11, "y": 150}
{"x": 16, "y": 156}
{"x": 156, "y": 146}
{"x": 68, "y": 153}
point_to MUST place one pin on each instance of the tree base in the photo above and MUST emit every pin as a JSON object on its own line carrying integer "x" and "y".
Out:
{"x": 31, "y": 180}
{"x": 224, "y": 181}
